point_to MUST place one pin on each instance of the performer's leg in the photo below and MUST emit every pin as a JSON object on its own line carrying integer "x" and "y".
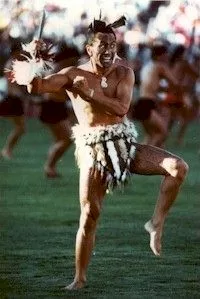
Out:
{"x": 92, "y": 191}
{"x": 185, "y": 113}
{"x": 61, "y": 133}
{"x": 150, "y": 160}
{"x": 14, "y": 136}
{"x": 156, "y": 129}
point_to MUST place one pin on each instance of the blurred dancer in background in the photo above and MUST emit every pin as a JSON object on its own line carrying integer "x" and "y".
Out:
{"x": 184, "y": 107}
{"x": 146, "y": 109}
{"x": 57, "y": 116}
{"x": 11, "y": 96}
{"x": 56, "y": 113}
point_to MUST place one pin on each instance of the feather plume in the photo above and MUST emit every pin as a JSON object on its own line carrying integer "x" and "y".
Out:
{"x": 24, "y": 71}
{"x": 38, "y": 61}
{"x": 97, "y": 26}
{"x": 118, "y": 23}
{"x": 39, "y": 50}
{"x": 100, "y": 26}
{"x": 114, "y": 158}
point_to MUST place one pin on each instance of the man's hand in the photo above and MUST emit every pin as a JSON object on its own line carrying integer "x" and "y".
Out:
{"x": 81, "y": 87}
{"x": 34, "y": 46}
{"x": 38, "y": 49}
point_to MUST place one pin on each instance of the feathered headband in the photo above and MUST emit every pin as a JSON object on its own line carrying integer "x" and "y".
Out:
{"x": 100, "y": 26}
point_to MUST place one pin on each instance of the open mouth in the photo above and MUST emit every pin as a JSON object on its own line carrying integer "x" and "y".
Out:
{"x": 106, "y": 58}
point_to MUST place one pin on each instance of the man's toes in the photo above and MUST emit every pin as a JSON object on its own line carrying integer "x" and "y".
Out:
{"x": 155, "y": 244}
{"x": 155, "y": 238}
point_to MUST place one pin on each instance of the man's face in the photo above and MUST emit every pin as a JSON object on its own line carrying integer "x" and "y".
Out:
{"x": 103, "y": 49}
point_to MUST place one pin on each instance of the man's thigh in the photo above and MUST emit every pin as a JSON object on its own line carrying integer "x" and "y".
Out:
{"x": 61, "y": 130}
{"x": 150, "y": 160}
{"x": 19, "y": 121}
{"x": 92, "y": 186}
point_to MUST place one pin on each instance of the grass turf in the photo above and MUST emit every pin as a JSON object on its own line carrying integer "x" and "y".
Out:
{"x": 39, "y": 219}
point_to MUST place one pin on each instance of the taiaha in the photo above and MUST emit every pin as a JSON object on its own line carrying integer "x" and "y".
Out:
{"x": 41, "y": 27}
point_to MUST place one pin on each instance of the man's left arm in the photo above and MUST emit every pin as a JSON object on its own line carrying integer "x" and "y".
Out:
{"x": 118, "y": 105}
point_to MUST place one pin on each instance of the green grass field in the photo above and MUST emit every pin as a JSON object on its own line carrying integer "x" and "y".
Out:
{"x": 39, "y": 220}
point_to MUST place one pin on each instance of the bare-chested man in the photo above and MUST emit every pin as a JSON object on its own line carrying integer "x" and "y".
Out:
{"x": 183, "y": 107}
{"x": 101, "y": 92}
{"x": 146, "y": 109}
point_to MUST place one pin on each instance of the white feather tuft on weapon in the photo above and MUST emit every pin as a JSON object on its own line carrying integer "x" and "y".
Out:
{"x": 25, "y": 71}
{"x": 40, "y": 60}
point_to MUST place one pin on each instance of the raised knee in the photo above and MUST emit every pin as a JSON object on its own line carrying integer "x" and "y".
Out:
{"x": 182, "y": 169}
{"x": 175, "y": 167}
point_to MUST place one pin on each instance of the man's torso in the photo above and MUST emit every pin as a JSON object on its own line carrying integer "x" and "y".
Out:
{"x": 92, "y": 114}
{"x": 150, "y": 78}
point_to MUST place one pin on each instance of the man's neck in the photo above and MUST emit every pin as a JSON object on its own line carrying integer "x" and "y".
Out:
{"x": 100, "y": 71}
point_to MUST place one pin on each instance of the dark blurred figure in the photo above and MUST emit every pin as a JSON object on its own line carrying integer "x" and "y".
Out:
{"x": 146, "y": 109}
{"x": 57, "y": 114}
{"x": 58, "y": 118}
{"x": 11, "y": 95}
{"x": 151, "y": 11}
{"x": 183, "y": 107}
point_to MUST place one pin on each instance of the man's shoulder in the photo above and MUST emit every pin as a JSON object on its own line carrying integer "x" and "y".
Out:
{"x": 123, "y": 69}
{"x": 123, "y": 62}
{"x": 65, "y": 70}
{"x": 68, "y": 70}
{"x": 85, "y": 66}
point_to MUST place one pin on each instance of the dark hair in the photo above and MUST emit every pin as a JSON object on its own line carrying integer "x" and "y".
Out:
{"x": 100, "y": 26}
{"x": 177, "y": 53}
{"x": 157, "y": 51}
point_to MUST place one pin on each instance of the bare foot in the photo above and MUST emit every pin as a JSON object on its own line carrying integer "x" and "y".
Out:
{"x": 155, "y": 237}
{"x": 75, "y": 285}
{"x": 6, "y": 155}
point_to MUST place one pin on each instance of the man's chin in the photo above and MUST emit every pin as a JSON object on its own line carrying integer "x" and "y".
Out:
{"x": 107, "y": 64}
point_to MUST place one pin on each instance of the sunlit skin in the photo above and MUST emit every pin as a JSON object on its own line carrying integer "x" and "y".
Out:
{"x": 94, "y": 105}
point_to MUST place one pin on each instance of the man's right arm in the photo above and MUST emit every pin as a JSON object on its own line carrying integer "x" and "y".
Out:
{"x": 51, "y": 83}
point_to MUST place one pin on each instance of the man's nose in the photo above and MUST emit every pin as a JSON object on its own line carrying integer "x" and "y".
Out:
{"x": 107, "y": 49}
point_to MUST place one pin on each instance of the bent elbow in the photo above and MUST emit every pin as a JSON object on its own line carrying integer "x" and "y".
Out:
{"x": 123, "y": 110}
{"x": 121, "y": 113}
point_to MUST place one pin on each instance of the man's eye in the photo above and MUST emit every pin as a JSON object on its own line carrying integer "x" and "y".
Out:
{"x": 102, "y": 46}
{"x": 113, "y": 46}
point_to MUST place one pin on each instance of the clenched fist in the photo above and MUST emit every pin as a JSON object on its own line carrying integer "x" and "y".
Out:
{"x": 80, "y": 86}
{"x": 80, "y": 83}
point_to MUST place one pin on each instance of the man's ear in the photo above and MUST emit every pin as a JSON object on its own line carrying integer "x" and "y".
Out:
{"x": 88, "y": 50}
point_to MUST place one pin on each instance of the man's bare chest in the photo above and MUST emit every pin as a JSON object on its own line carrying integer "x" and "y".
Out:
{"x": 107, "y": 84}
